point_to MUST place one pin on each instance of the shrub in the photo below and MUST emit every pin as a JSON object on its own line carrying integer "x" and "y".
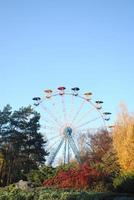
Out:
{"x": 47, "y": 194}
{"x": 16, "y": 194}
{"x": 100, "y": 187}
{"x": 81, "y": 177}
{"x": 124, "y": 183}
{"x": 38, "y": 176}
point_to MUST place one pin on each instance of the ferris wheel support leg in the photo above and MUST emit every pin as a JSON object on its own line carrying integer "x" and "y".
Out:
{"x": 53, "y": 155}
{"x": 68, "y": 154}
{"x": 74, "y": 148}
{"x": 65, "y": 152}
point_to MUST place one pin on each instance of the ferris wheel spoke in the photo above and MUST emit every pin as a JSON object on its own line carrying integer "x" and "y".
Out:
{"x": 52, "y": 138}
{"x": 53, "y": 104}
{"x": 86, "y": 131}
{"x": 50, "y": 121}
{"x": 64, "y": 108}
{"x": 46, "y": 120}
{"x": 50, "y": 128}
{"x": 78, "y": 111}
{"x": 71, "y": 107}
{"x": 84, "y": 115}
{"x": 88, "y": 122}
{"x": 50, "y": 114}
{"x": 48, "y": 133}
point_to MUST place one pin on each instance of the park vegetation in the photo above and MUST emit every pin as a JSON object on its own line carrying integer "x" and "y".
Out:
{"x": 107, "y": 160}
{"x": 21, "y": 144}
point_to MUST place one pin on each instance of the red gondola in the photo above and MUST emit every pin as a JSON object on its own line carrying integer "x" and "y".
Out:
{"x": 61, "y": 90}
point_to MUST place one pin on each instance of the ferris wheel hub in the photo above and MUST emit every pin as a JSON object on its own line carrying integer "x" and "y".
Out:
{"x": 68, "y": 131}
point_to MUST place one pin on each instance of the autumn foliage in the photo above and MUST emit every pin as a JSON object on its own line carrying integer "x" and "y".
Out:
{"x": 123, "y": 140}
{"x": 81, "y": 177}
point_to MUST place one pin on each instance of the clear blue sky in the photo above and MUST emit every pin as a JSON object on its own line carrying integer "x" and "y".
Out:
{"x": 48, "y": 43}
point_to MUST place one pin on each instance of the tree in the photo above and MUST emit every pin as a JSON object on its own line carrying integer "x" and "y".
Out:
{"x": 99, "y": 152}
{"x": 123, "y": 139}
{"x": 21, "y": 143}
{"x": 95, "y": 145}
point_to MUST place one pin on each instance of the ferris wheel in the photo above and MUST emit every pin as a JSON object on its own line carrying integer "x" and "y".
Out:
{"x": 64, "y": 116}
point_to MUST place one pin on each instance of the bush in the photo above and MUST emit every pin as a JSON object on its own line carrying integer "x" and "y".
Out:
{"x": 124, "y": 183}
{"x": 81, "y": 177}
{"x": 100, "y": 187}
{"x": 38, "y": 176}
{"x": 47, "y": 194}
{"x": 16, "y": 194}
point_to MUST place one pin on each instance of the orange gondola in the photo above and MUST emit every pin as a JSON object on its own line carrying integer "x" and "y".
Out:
{"x": 88, "y": 95}
{"x": 48, "y": 93}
